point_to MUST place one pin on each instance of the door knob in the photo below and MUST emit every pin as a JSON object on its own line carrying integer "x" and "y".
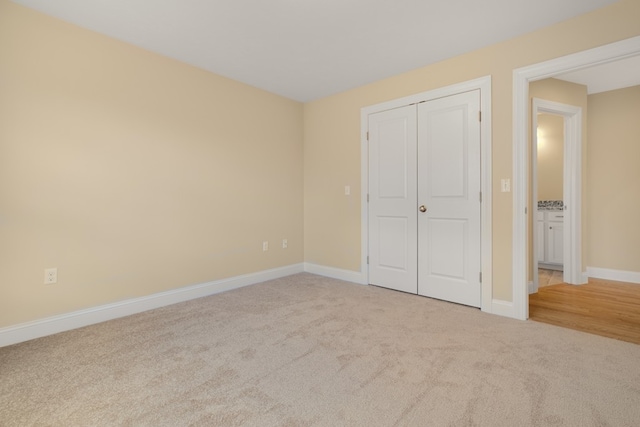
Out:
{"x": 422, "y": 208}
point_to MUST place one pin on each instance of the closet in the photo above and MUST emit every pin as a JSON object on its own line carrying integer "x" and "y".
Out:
{"x": 424, "y": 198}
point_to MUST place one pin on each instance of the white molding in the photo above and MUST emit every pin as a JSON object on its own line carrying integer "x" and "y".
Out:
{"x": 533, "y": 217}
{"x": 453, "y": 89}
{"x": 520, "y": 171}
{"x": 551, "y": 266}
{"x": 484, "y": 84}
{"x": 77, "y": 319}
{"x": 502, "y": 308}
{"x": 617, "y": 275}
{"x": 487, "y": 195}
{"x": 521, "y": 78}
{"x": 364, "y": 193}
{"x": 336, "y": 273}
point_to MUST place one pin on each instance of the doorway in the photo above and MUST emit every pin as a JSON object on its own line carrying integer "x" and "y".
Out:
{"x": 547, "y": 204}
{"x": 601, "y": 55}
{"x": 557, "y": 233}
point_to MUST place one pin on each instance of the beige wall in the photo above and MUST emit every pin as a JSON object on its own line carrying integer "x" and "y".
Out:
{"x": 332, "y": 136}
{"x": 550, "y": 156}
{"x": 614, "y": 180}
{"x": 133, "y": 173}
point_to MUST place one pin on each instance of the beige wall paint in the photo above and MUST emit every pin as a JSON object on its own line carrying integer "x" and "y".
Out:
{"x": 332, "y": 136}
{"x": 614, "y": 180}
{"x": 550, "y": 156}
{"x": 133, "y": 173}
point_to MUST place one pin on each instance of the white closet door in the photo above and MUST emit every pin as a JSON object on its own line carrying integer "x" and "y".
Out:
{"x": 392, "y": 199}
{"x": 449, "y": 247}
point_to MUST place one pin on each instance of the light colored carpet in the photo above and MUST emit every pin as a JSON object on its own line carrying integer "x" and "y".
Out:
{"x": 311, "y": 351}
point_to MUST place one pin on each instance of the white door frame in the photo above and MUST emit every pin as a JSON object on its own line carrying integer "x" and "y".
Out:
{"x": 484, "y": 85}
{"x": 571, "y": 187}
{"x": 521, "y": 78}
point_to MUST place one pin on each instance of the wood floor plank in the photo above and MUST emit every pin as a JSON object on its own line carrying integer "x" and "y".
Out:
{"x": 601, "y": 307}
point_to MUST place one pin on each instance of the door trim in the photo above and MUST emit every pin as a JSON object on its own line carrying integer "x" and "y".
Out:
{"x": 484, "y": 85}
{"x": 521, "y": 78}
{"x": 571, "y": 187}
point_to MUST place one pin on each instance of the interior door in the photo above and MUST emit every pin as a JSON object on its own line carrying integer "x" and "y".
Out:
{"x": 449, "y": 230}
{"x": 393, "y": 256}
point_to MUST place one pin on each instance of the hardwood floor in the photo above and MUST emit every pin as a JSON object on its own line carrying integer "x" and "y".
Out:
{"x": 549, "y": 277}
{"x": 601, "y": 307}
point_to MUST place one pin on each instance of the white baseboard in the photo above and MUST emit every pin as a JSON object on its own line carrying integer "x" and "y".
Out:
{"x": 531, "y": 287}
{"x": 77, "y": 319}
{"x": 503, "y": 308}
{"x": 617, "y": 275}
{"x": 336, "y": 273}
{"x": 498, "y": 307}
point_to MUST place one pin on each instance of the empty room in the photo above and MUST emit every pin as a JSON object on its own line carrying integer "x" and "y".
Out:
{"x": 306, "y": 213}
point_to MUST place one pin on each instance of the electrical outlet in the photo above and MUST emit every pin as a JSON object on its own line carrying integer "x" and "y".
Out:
{"x": 285, "y": 244}
{"x": 50, "y": 276}
{"x": 265, "y": 246}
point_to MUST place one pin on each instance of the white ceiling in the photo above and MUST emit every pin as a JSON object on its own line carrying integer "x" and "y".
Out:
{"x": 606, "y": 77}
{"x": 308, "y": 49}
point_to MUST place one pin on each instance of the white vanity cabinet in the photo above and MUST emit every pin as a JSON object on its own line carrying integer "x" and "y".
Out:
{"x": 549, "y": 235}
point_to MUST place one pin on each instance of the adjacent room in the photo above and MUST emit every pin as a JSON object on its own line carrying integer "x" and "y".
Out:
{"x": 609, "y": 97}
{"x": 312, "y": 213}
